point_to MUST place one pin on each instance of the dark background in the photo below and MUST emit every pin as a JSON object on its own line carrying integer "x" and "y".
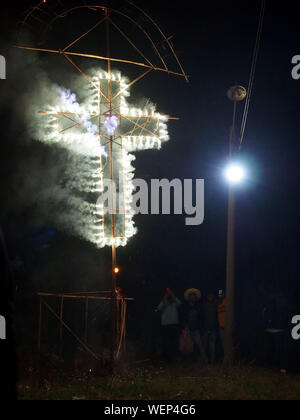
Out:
{"x": 215, "y": 42}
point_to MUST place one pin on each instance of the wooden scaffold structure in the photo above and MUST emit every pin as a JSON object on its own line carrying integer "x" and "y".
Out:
{"x": 145, "y": 128}
{"x": 99, "y": 298}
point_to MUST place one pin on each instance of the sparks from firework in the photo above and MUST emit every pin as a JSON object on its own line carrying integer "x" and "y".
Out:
{"x": 106, "y": 120}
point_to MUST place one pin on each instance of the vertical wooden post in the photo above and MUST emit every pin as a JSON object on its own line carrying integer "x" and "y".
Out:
{"x": 118, "y": 324}
{"x": 86, "y": 320}
{"x": 40, "y": 326}
{"x": 113, "y": 307}
{"x": 61, "y": 314}
{"x": 113, "y": 221}
{"x": 230, "y": 262}
{"x": 125, "y": 324}
{"x": 230, "y": 281}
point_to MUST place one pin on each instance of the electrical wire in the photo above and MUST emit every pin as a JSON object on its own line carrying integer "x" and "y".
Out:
{"x": 253, "y": 71}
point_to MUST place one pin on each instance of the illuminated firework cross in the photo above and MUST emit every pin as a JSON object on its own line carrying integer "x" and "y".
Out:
{"x": 109, "y": 130}
{"x": 104, "y": 129}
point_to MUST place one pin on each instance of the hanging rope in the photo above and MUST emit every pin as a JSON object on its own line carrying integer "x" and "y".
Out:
{"x": 253, "y": 70}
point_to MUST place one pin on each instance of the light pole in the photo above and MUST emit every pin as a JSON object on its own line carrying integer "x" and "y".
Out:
{"x": 234, "y": 174}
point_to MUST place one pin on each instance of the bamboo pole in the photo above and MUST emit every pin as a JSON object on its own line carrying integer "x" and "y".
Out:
{"x": 98, "y": 57}
{"x": 87, "y": 349}
{"x": 70, "y": 296}
{"x": 86, "y": 320}
{"x": 40, "y": 325}
{"x": 61, "y": 314}
{"x": 84, "y": 34}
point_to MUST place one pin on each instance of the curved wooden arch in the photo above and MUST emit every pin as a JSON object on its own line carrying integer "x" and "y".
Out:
{"x": 108, "y": 11}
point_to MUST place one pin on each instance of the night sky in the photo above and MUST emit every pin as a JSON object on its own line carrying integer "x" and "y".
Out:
{"x": 215, "y": 42}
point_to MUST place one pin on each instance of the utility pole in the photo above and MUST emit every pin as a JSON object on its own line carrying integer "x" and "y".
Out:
{"x": 235, "y": 94}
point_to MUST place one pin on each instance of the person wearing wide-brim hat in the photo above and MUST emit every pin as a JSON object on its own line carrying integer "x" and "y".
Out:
{"x": 190, "y": 292}
{"x": 192, "y": 315}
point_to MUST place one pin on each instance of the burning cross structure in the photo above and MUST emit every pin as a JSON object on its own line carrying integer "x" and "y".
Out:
{"x": 103, "y": 130}
{"x": 105, "y": 127}
{"x": 108, "y": 130}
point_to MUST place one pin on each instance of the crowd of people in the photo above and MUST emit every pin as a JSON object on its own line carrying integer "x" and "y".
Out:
{"x": 193, "y": 327}
{"x": 196, "y": 327}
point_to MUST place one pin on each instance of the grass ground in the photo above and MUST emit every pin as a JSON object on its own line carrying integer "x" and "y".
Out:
{"x": 181, "y": 382}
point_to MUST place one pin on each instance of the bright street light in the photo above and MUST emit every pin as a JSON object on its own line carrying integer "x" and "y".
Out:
{"x": 235, "y": 173}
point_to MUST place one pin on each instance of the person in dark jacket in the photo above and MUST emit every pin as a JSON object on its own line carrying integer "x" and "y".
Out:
{"x": 8, "y": 364}
{"x": 277, "y": 319}
{"x": 192, "y": 320}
